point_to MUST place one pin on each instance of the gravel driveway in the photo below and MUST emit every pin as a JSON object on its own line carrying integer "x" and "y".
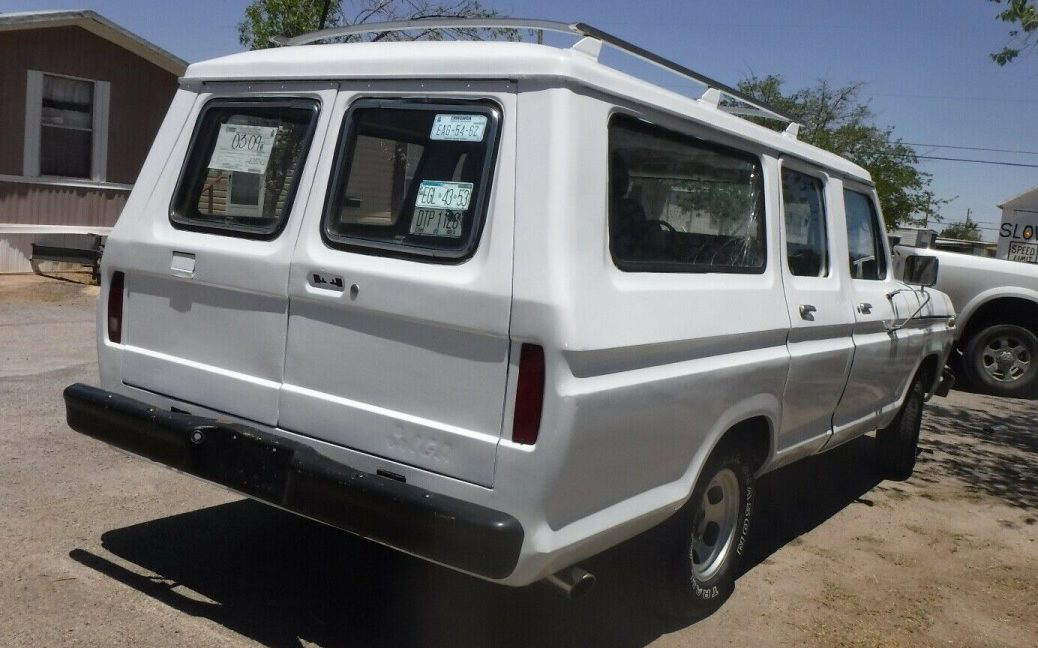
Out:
{"x": 101, "y": 549}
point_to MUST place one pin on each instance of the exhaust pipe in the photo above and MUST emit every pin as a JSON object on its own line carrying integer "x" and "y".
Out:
{"x": 572, "y": 582}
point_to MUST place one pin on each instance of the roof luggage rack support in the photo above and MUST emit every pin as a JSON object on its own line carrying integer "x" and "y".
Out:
{"x": 757, "y": 108}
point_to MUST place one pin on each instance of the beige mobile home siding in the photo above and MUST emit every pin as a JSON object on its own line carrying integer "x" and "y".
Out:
{"x": 36, "y": 204}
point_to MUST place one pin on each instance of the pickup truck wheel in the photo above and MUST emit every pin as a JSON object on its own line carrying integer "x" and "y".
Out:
{"x": 1003, "y": 361}
{"x": 702, "y": 544}
{"x": 898, "y": 443}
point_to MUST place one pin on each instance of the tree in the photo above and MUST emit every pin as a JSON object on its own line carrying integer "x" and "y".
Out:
{"x": 835, "y": 118}
{"x": 968, "y": 230}
{"x": 265, "y": 19}
{"x": 1023, "y": 16}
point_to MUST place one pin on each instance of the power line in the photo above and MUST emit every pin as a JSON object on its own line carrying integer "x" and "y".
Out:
{"x": 955, "y": 159}
{"x": 972, "y": 148}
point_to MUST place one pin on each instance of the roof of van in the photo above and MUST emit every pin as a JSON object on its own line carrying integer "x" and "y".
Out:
{"x": 495, "y": 60}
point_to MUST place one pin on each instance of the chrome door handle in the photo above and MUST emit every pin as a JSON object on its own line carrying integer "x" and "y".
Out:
{"x": 807, "y": 311}
{"x": 865, "y": 308}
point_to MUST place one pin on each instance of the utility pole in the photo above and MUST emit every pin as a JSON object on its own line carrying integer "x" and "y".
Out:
{"x": 324, "y": 14}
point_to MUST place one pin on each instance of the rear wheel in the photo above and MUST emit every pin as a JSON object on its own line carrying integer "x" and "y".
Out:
{"x": 701, "y": 545}
{"x": 898, "y": 443}
{"x": 1003, "y": 360}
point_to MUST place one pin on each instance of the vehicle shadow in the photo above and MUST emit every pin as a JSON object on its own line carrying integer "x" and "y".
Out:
{"x": 994, "y": 451}
{"x": 278, "y": 579}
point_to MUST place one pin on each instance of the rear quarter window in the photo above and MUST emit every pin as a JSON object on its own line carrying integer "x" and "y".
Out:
{"x": 243, "y": 167}
{"x": 681, "y": 204}
{"x": 412, "y": 179}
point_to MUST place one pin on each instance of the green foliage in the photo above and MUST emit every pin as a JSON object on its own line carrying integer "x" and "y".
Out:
{"x": 835, "y": 118}
{"x": 967, "y": 230}
{"x": 265, "y": 19}
{"x": 1023, "y": 16}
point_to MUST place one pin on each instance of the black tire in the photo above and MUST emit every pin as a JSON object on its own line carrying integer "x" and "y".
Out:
{"x": 994, "y": 370}
{"x": 897, "y": 444}
{"x": 681, "y": 592}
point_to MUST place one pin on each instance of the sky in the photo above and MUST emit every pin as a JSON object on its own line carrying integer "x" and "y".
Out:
{"x": 925, "y": 64}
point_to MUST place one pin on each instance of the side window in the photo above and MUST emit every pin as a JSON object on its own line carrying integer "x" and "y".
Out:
{"x": 864, "y": 237}
{"x": 243, "y": 166}
{"x": 806, "y": 246}
{"x": 680, "y": 204}
{"x": 412, "y": 178}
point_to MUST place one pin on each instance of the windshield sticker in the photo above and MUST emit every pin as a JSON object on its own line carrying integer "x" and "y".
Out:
{"x": 441, "y": 194}
{"x": 243, "y": 148}
{"x": 459, "y": 128}
{"x": 436, "y": 222}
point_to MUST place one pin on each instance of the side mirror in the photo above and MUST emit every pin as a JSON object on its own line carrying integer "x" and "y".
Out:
{"x": 920, "y": 270}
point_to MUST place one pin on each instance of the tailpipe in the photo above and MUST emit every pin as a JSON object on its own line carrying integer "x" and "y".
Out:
{"x": 572, "y": 582}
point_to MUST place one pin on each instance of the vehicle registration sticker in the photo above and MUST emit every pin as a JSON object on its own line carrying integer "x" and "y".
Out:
{"x": 436, "y": 222}
{"x": 458, "y": 128}
{"x": 441, "y": 194}
{"x": 1027, "y": 252}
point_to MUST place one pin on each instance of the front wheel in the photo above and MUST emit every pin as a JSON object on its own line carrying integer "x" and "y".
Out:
{"x": 702, "y": 544}
{"x": 1003, "y": 361}
{"x": 898, "y": 443}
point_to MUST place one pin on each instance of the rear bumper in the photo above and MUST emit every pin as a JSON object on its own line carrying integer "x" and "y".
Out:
{"x": 295, "y": 477}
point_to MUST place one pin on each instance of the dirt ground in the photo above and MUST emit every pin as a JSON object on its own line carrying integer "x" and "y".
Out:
{"x": 101, "y": 549}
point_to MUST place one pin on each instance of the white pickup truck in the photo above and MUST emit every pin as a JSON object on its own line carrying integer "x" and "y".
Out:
{"x": 501, "y": 306}
{"x": 997, "y": 330}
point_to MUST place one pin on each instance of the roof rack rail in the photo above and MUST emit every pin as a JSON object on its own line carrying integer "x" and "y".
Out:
{"x": 757, "y": 108}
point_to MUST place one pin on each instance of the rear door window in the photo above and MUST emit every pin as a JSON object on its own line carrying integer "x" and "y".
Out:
{"x": 243, "y": 167}
{"x": 412, "y": 178}
{"x": 804, "y": 207}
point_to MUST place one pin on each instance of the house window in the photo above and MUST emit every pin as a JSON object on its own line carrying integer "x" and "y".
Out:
{"x": 66, "y": 127}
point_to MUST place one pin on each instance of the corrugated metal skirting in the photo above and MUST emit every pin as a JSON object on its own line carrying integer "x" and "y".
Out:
{"x": 36, "y": 204}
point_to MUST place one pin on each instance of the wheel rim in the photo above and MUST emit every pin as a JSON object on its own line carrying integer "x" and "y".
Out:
{"x": 1006, "y": 359}
{"x": 713, "y": 529}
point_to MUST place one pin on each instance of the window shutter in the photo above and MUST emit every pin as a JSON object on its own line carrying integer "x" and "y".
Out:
{"x": 99, "y": 160}
{"x": 33, "y": 112}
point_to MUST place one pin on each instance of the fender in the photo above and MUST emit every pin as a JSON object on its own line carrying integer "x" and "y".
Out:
{"x": 967, "y": 311}
{"x": 764, "y": 406}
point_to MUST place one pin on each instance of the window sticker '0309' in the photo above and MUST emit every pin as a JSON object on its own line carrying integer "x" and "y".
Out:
{"x": 441, "y": 194}
{"x": 243, "y": 148}
{"x": 459, "y": 128}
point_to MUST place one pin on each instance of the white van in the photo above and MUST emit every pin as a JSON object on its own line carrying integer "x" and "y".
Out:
{"x": 501, "y": 306}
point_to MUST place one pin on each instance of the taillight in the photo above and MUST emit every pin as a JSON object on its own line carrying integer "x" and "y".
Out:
{"x": 529, "y": 395}
{"x": 115, "y": 308}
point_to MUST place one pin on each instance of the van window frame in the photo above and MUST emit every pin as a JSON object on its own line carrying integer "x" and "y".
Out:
{"x": 807, "y": 170}
{"x": 484, "y": 189}
{"x": 878, "y": 228}
{"x": 181, "y": 222}
{"x": 639, "y": 123}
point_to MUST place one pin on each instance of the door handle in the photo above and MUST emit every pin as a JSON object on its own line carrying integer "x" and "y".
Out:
{"x": 865, "y": 308}
{"x": 807, "y": 311}
{"x": 321, "y": 281}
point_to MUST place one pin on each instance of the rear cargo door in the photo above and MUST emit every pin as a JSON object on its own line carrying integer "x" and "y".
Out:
{"x": 206, "y": 308}
{"x": 400, "y": 286}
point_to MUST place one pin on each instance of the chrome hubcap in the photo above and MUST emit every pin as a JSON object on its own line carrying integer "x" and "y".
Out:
{"x": 1006, "y": 359}
{"x": 713, "y": 529}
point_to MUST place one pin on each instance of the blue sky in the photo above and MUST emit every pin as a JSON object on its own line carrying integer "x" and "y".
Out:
{"x": 925, "y": 62}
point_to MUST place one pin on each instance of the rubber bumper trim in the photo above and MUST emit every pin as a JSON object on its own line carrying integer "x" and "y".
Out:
{"x": 296, "y": 477}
